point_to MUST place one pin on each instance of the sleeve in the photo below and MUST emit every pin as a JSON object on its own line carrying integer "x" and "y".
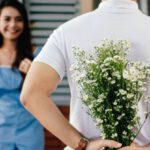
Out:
{"x": 53, "y": 53}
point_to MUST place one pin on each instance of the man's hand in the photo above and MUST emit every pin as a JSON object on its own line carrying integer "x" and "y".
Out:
{"x": 135, "y": 146}
{"x": 99, "y": 144}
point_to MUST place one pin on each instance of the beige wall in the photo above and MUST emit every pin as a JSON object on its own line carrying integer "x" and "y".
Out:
{"x": 86, "y": 6}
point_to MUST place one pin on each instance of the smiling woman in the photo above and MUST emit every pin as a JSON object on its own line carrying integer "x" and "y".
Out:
{"x": 11, "y": 26}
{"x": 11, "y": 23}
{"x": 15, "y": 59}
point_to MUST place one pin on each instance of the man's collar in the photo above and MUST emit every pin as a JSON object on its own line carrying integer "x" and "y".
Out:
{"x": 124, "y": 6}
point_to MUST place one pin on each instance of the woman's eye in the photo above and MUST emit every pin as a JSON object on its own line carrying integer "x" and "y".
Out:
{"x": 6, "y": 19}
{"x": 20, "y": 19}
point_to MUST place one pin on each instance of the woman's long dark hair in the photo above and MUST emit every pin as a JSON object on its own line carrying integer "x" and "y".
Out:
{"x": 24, "y": 47}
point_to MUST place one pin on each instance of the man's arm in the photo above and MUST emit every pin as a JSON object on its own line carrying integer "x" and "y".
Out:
{"x": 39, "y": 84}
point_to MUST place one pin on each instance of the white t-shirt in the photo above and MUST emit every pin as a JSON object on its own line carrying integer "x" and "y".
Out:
{"x": 114, "y": 19}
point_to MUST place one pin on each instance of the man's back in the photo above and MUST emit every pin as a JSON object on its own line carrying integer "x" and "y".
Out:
{"x": 114, "y": 19}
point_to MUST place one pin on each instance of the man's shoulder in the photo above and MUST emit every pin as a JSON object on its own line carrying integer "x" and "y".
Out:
{"x": 79, "y": 21}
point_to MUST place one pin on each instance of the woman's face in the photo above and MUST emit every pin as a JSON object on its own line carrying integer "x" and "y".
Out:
{"x": 11, "y": 23}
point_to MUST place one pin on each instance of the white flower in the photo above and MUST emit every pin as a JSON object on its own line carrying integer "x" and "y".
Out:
{"x": 117, "y": 57}
{"x": 140, "y": 83}
{"x": 101, "y": 96}
{"x": 115, "y": 103}
{"x": 90, "y": 81}
{"x": 132, "y": 138}
{"x": 113, "y": 82}
{"x": 124, "y": 132}
{"x": 109, "y": 78}
{"x": 122, "y": 92}
{"x": 90, "y": 62}
{"x": 91, "y": 106}
{"x": 123, "y": 115}
{"x": 142, "y": 89}
{"x": 105, "y": 75}
{"x": 100, "y": 121}
{"x": 108, "y": 59}
{"x": 116, "y": 123}
{"x": 125, "y": 74}
{"x": 119, "y": 117}
{"x": 130, "y": 95}
{"x": 108, "y": 110}
{"x": 131, "y": 74}
{"x": 100, "y": 100}
{"x": 116, "y": 74}
{"x": 129, "y": 127}
{"x": 85, "y": 97}
{"x": 120, "y": 106}
{"x": 134, "y": 73}
{"x": 114, "y": 135}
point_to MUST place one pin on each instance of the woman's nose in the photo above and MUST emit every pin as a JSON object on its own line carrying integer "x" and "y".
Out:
{"x": 13, "y": 23}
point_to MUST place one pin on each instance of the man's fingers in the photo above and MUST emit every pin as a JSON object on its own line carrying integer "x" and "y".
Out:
{"x": 134, "y": 144}
{"x": 99, "y": 144}
{"x": 110, "y": 143}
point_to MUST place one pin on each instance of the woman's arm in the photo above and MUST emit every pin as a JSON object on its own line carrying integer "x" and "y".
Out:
{"x": 40, "y": 82}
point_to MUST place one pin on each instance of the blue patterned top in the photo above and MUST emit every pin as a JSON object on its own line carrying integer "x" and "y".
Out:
{"x": 17, "y": 125}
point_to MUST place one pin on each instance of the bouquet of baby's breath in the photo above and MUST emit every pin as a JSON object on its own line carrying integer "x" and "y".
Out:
{"x": 111, "y": 87}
